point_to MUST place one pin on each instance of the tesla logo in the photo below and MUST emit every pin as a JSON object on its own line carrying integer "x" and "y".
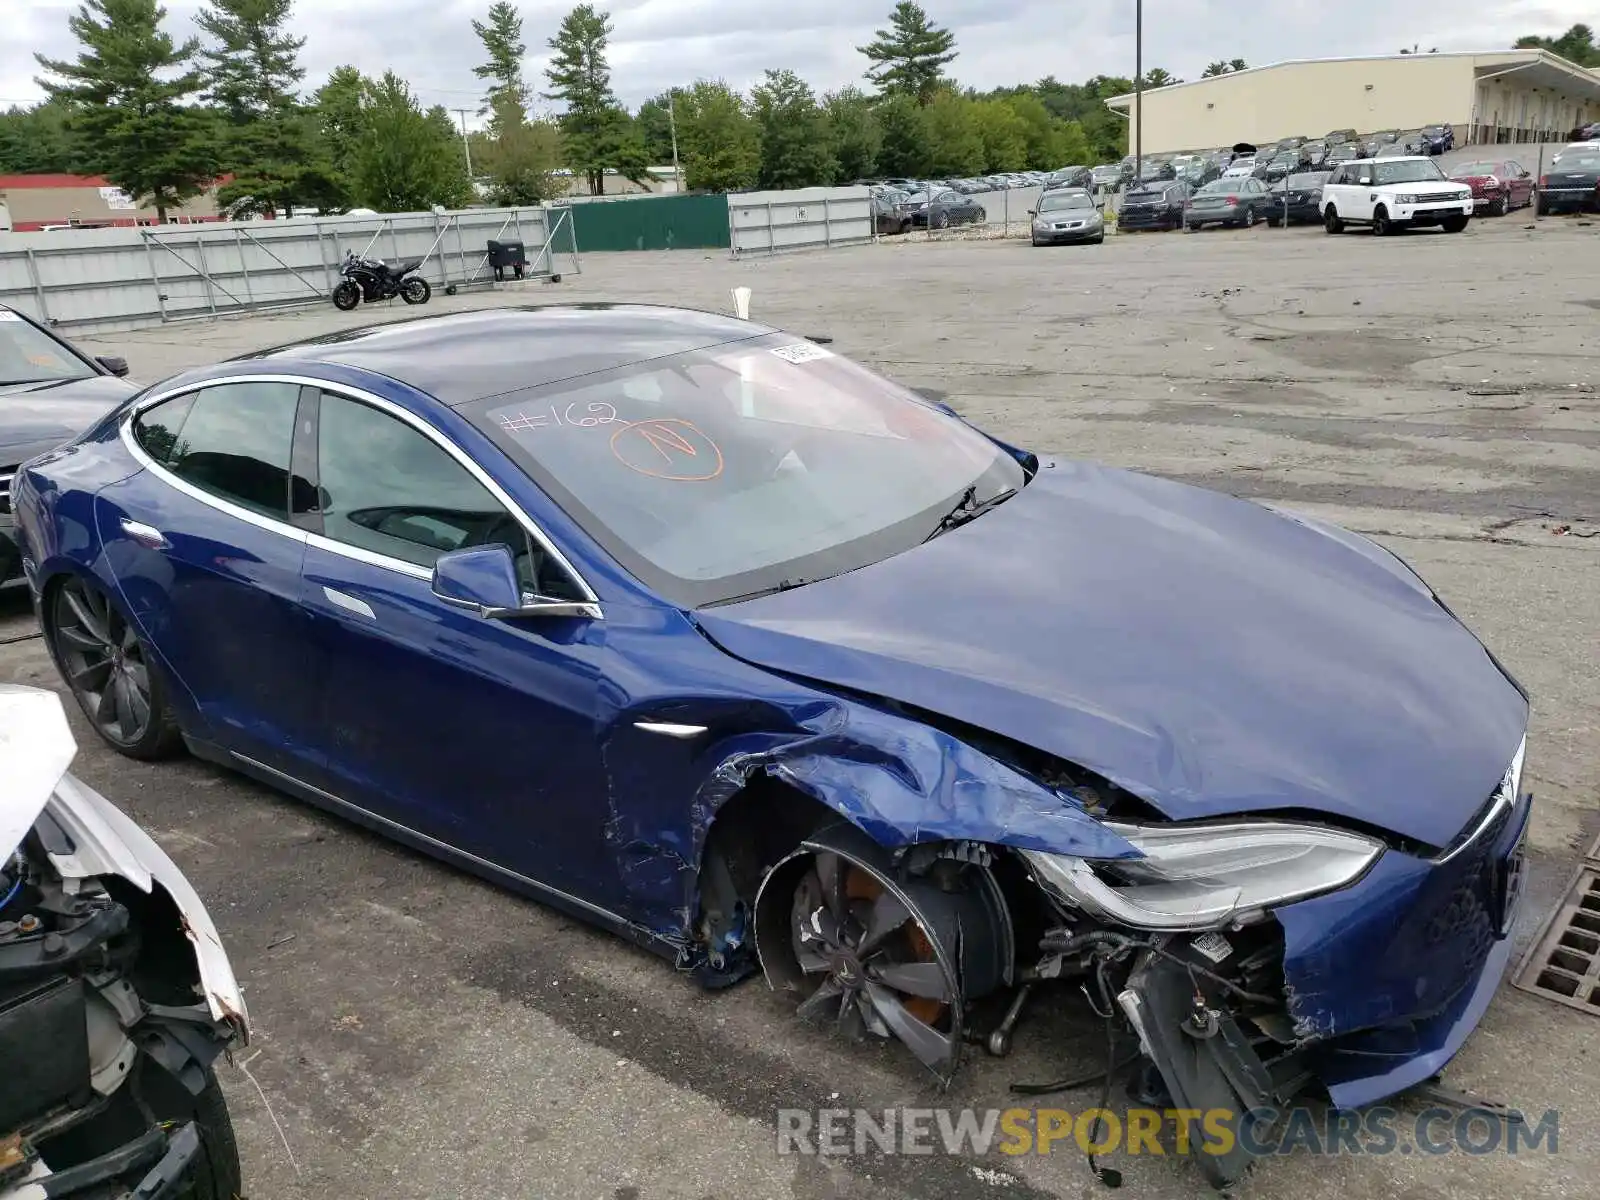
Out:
{"x": 667, "y": 448}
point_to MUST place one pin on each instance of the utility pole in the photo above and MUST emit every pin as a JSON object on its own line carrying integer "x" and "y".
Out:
{"x": 1138, "y": 91}
{"x": 466, "y": 146}
{"x": 672, "y": 121}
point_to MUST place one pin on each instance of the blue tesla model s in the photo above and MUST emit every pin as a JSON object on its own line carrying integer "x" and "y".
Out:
{"x": 709, "y": 635}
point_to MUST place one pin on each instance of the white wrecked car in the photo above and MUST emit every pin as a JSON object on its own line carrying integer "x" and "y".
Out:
{"x": 116, "y": 998}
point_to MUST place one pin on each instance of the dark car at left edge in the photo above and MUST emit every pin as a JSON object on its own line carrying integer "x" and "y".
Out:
{"x": 49, "y": 393}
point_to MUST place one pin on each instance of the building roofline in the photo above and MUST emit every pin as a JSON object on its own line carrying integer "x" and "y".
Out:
{"x": 1528, "y": 55}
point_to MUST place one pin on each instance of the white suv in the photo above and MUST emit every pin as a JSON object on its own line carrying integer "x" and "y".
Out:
{"x": 1390, "y": 194}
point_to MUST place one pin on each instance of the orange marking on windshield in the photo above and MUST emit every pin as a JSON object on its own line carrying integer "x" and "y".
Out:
{"x": 667, "y": 448}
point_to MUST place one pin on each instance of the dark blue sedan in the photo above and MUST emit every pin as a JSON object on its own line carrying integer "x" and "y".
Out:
{"x": 706, "y": 634}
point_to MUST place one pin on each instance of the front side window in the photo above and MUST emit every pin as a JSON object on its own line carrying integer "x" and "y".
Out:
{"x": 232, "y": 440}
{"x": 389, "y": 489}
{"x": 746, "y": 467}
{"x": 30, "y": 355}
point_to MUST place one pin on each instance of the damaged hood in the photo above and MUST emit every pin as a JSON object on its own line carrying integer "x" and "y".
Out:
{"x": 1207, "y": 654}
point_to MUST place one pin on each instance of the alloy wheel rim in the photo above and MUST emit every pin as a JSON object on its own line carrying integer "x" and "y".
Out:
{"x": 104, "y": 663}
{"x": 874, "y": 965}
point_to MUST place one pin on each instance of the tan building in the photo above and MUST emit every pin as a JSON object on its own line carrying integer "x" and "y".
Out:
{"x": 36, "y": 201}
{"x": 1498, "y": 96}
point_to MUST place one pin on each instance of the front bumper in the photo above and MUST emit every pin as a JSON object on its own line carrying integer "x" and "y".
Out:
{"x": 1433, "y": 213}
{"x": 1575, "y": 199}
{"x": 1389, "y": 976}
{"x": 1081, "y": 233}
{"x": 1157, "y": 218}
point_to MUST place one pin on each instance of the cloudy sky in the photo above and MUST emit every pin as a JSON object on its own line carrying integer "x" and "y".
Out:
{"x": 662, "y": 42}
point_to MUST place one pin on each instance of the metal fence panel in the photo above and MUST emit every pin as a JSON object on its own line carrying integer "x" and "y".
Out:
{"x": 120, "y": 278}
{"x": 807, "y": 219}
{"x": 651, "y": 223}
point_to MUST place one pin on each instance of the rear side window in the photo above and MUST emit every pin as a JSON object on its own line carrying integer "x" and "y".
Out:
{"x": 232, "y": 441}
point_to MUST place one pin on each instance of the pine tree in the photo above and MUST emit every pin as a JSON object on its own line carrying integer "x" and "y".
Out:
{"x": 501, "y": 36}
{"x": 596, "y": 130}
{"x": 125, "y": 91}
{"x": 910, "y": 56}
{"x": 270, "y": 143}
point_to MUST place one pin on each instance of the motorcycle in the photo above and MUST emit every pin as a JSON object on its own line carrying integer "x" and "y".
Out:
{"x": 372, "y": 279}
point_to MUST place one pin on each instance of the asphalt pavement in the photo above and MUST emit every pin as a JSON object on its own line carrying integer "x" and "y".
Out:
{"x": 421, "y": 1034}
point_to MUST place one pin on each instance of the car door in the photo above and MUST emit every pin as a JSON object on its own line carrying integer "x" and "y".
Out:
{"x": 476, "y": 732}
{"x": 1358, "y": 202}
{"x": 1521, "y": 183}
{"x": 208, "y": 562}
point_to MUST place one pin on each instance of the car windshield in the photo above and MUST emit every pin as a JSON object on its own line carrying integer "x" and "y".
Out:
{"x": 1477, "y": 168}
{"x": 1411, "y": 170}
{"x": 1056, "y": 201}
{"x": 1219, "y": 186}
{"x": 29, "y": 355}
{"x": 1580, "y": 160}
{"x": 1314, "y": 179}
{"x": 746, "y": 467}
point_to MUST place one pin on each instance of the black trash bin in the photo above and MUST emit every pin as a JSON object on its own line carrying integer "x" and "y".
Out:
{"x": 507, "y": 255}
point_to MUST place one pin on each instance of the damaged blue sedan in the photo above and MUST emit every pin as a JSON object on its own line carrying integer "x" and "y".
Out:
{"x": 707, "y": 634}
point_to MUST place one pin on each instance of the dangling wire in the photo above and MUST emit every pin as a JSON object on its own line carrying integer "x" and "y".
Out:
{"x": 1108, "y": 1176}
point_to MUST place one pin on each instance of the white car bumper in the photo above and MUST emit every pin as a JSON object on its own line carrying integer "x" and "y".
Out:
{"x": 1435, "y": 210}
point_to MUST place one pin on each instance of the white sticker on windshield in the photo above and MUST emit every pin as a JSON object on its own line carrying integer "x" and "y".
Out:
{"x": 802, "y": 352}
{"x": 7, "y": 315}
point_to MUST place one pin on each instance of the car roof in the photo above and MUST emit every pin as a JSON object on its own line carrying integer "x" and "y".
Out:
{"x": 461, "y": 357}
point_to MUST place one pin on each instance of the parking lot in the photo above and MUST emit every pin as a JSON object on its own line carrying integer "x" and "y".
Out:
{"x": 421, "y": 1034}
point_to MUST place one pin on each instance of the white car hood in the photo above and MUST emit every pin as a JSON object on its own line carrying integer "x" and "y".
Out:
{"x": 36, "y": 747}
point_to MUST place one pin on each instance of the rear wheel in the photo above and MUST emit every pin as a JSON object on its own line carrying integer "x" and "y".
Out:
{"x": 1331, "y": 221}
{"x": 346, "y": 296}
{"x": 415, "y": 290}
{"x": 1500, "y": 205}
{"x": 109, "y": 671}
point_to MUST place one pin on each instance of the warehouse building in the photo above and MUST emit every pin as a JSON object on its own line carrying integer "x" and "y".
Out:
{"x": 45, "y": 201}
{"x": 1497, "y": 96}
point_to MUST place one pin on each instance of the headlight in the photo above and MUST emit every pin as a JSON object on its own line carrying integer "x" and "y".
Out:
{"x": 1207, "y": 876}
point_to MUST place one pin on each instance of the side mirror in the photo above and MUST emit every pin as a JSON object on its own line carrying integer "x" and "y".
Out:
{"x": 114, "y": 363}
{"x": 484, "y": 578}
{"x": 1033, "y": 212}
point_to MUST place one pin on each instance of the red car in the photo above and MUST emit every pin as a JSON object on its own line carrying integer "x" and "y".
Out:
{"x": 1498, "y": 185}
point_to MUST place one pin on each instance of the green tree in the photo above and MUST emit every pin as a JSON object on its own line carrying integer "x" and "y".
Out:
{"x": 653, "y": 123}
{"x": 269, "y": 141}
{"x": 1214, "y": 69}
{"x": 596, "y": 131}
{"x": 1156, "y": 77}
{"x": 406, "y": 160}
{"x": 1238, "y": 64}
{"x": 910, "y": 56}
{"x": 501, "y": 36}
{"x": 1003, "y": 133}
{"x": 955, "y": 146}
{"x": 1576, "y": 45}
{"x": 903, "y": 150}
{"x": 340, "y": 123}
{"x": 719, "y": 143}
{"x": 795, "y": 149}
{"x": 522, "y": 160}
{"x": 853, "y": 132}
{"x": 125, "y": 94}
{"x": 37, "y": 140}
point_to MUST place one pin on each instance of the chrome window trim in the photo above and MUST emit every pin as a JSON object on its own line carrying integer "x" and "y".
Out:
{"x": 321, "y": 541}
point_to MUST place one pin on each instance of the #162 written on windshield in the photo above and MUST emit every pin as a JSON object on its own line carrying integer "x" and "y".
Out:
{"x": 801, "y": 352}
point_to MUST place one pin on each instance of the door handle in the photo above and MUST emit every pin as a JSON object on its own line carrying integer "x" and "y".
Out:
{"x": 351, "y": 604}
{"x": 145, "y": 535}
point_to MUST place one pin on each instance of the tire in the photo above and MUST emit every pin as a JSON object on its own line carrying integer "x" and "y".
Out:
{"x": 982, "y": 218}
{"x": 416, "y": 290}
{"x": 110, "y": 671}
{"x": 1099, "y": 241}
{"x": 942, "y": 221}
{"x": 218, "y": 1175}
{"x": 1381, "y": 225}
{"x": 346, "y": 296}
{"x": 1453, "y": 224}
{"x": 1331, "y": 221}
{"x": 1274, "y": 222}
{"x": 1249, "y": 221}
{"x": 1540, "y": 207}
{"x": 1037, "y": 242}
